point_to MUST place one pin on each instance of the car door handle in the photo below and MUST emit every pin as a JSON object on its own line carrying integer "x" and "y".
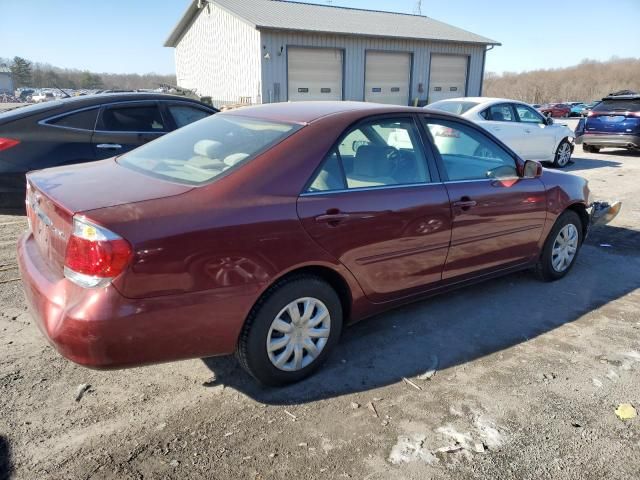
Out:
{"x": 527, "y": 131}
{"x": 332, "y": 217}
{"x": 109, "y": 146}
{"x": 495, "y": 129}
{"x": 465, "y": 204}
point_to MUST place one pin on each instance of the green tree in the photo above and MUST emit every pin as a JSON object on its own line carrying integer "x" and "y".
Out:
{"x": 21, "y": 70}
{"x": 90, "y": 80}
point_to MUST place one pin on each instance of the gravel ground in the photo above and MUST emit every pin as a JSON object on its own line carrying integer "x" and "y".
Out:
{"x": 528, "y": 376}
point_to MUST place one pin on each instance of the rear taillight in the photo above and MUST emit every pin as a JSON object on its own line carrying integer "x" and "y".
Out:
{"x": 95, "y": 255}
{"x": 7, "y": 143}
{"x": 591, "y": 114}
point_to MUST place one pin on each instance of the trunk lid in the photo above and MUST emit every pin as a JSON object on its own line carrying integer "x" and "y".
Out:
{"x": 55, "y": 195}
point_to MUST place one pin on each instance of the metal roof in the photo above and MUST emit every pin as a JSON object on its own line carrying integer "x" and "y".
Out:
{"x": 4, "y": 69}
{"x": 297, "y": 16}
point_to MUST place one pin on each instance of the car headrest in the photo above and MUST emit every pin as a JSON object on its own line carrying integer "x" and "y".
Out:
{"x": 497, "y": 116}
{"x": 372, "y": 161}
{"x": 207, "y": 148}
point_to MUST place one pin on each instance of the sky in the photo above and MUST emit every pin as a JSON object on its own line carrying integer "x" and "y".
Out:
{"x": 126, "y": 36}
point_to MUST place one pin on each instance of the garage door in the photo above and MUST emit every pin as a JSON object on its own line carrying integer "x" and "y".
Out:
{"x": 387, "y": 78}
{"x": 314, "y": 74}
{"x": 447, "y": 77}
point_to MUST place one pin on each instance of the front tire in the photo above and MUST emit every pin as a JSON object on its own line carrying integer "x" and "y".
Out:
{"x": 561, "y": 248}
{"x": 290, "y": 331}
{"x": 563, "y": 155}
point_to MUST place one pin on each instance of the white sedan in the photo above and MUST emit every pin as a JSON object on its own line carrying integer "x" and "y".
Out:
{"x": 518, "y": 125}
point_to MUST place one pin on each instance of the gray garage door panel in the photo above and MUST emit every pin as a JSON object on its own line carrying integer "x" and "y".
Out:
{"x": 447, "y": 77}
{"x": 387, "y": 77}
{"x": 314, "y": 73}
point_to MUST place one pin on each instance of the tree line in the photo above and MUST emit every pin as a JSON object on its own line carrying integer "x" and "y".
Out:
{"x": 588, "y": 81}
{"x": 42, "y": 75}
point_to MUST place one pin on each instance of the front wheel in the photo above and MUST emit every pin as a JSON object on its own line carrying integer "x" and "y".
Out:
{"x": 290, "y": 331}
{"x": 561, "y": 248}
{"x": 563, "y": 155}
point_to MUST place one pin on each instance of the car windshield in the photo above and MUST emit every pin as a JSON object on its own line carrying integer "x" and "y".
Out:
{"x": 622, "y": 105}
{"x": 205, "y": 150}
{"x": 30, "y": 109}
{"x": 457, "y": 107}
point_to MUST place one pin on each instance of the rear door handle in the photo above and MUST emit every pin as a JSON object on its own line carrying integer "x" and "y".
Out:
{"x": 332, "y": 217}
{"x": 109, "y": 146}
{"x": 465, "y": 204}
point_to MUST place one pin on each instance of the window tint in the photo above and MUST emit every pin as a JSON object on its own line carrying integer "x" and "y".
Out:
{"x": 202, "y": 151}
{"x": 375, "y": 154}
{"x": 500, "y": 113}
{"x": 143, "y": 118}
{"x": 528, "y": 114}
{"x": 184, "y": 114}
{"x": 85, "y": 120}
{"x": 469, "y": 155}
{"x": 618, "y": 106}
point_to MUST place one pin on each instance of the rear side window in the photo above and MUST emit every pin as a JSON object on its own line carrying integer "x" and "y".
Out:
{"x": 139, "y": 118}
{"x": 185, "y": 114}
{"x": 83, "y": 120}
{"x": 621, "y": 105}
{"x": 203, "y": 151}
{"x": 499, "y": 113}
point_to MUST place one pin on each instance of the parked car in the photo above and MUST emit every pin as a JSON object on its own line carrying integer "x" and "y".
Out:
{"x": 517, "y": 124}
{"x": 556, "y": 110}
{"x": 587, "y": 108}
{"x": 41, "y": 97}
{"x": 615, "y": 123}
{"x": 262, "y": 231}
{"x": 82, "y": 129}
{"x": 576, "y": 110}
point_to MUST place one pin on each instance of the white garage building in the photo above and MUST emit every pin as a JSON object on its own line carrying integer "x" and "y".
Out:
{"x": 263, "y": 51}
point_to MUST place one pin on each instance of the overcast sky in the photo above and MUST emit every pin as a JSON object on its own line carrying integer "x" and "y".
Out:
{"x": 126, "y": 36}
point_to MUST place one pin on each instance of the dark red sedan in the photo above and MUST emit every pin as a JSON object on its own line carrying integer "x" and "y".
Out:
{"x": 560, "y": 110}
{"x": 262, "y": 231}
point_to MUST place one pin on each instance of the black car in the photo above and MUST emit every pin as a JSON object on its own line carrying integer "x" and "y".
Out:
{"x": 83, "y": 129}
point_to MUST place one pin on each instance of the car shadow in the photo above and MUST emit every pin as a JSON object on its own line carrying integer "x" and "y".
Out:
{"x": 455, "y": 328}
{"x": 6, "y": 467}
{"x": 580, "y": 163}
{"x": 615, "y": 239}
{"x": 13, "y": 212}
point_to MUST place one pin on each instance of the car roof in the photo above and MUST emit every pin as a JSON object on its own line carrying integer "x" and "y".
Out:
{"x": 308, "y": 112}
{"x": 483, "y": 100}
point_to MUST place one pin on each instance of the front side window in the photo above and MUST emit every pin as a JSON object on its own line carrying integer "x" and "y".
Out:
{"x": 374, "y": 154}
{"x": 203, "y": 151}
{"x": 468, "y": 154}
{"x": 528, "y": 114}
{"x": 83, "y": 120}
{"x": 139, "y": 118}
{"x": 185, "y": 114}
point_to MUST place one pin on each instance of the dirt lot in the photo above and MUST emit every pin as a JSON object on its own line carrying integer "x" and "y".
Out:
{"x": 528, "y": 378}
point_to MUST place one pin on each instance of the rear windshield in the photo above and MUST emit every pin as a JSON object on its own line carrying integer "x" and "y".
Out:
{"x": 622, "y": 105}
{"x": 204, "y": 150}
{"x": 453, "y": 107}
{"x": 30, "y": 109}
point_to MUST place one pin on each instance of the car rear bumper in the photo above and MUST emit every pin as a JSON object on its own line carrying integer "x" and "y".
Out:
{"x": 99, "y": 328}
{"x": 611, "y": 140}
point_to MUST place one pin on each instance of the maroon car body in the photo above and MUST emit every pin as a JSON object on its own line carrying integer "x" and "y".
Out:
{"x": 203, "y": 256}
{"x": 559, "y": 110}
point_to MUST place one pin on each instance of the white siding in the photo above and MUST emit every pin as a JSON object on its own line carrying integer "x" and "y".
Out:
{"x": 274, "y": 70}
{"x": 6, "y": 83}
{"x": 219, "y": 56}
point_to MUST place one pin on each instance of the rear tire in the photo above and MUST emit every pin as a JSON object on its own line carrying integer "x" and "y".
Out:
{"x": 563, "y": 155}
{"x": 590, "y": 149}
{"x": 274, "y": 346}
{"x": 561, "y": 248}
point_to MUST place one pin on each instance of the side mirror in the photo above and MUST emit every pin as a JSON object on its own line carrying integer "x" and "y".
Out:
{"x": 532, "y": 169}
{"x": 549, "y": 120}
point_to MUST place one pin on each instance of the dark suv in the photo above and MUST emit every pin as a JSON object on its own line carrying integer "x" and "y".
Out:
{"x": 615, "y": 122}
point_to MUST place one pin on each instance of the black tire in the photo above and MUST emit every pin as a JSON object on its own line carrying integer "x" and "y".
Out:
{"x": 252, "y": 351}
{"x": 544, "y": 268}
{"x": 557, "y": 162}
{"x": 590, "y": 148}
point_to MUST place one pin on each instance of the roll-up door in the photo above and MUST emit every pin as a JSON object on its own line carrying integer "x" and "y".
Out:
{"x": 387, "y": 78}
{"x": 314, "y": 73}
{"x": 447, "y": 77}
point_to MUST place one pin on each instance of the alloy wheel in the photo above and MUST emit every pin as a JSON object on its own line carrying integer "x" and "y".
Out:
{"x": 298, "y": 334}
{"x": 564, "y": 154}
{"x": 565, "y": 248}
